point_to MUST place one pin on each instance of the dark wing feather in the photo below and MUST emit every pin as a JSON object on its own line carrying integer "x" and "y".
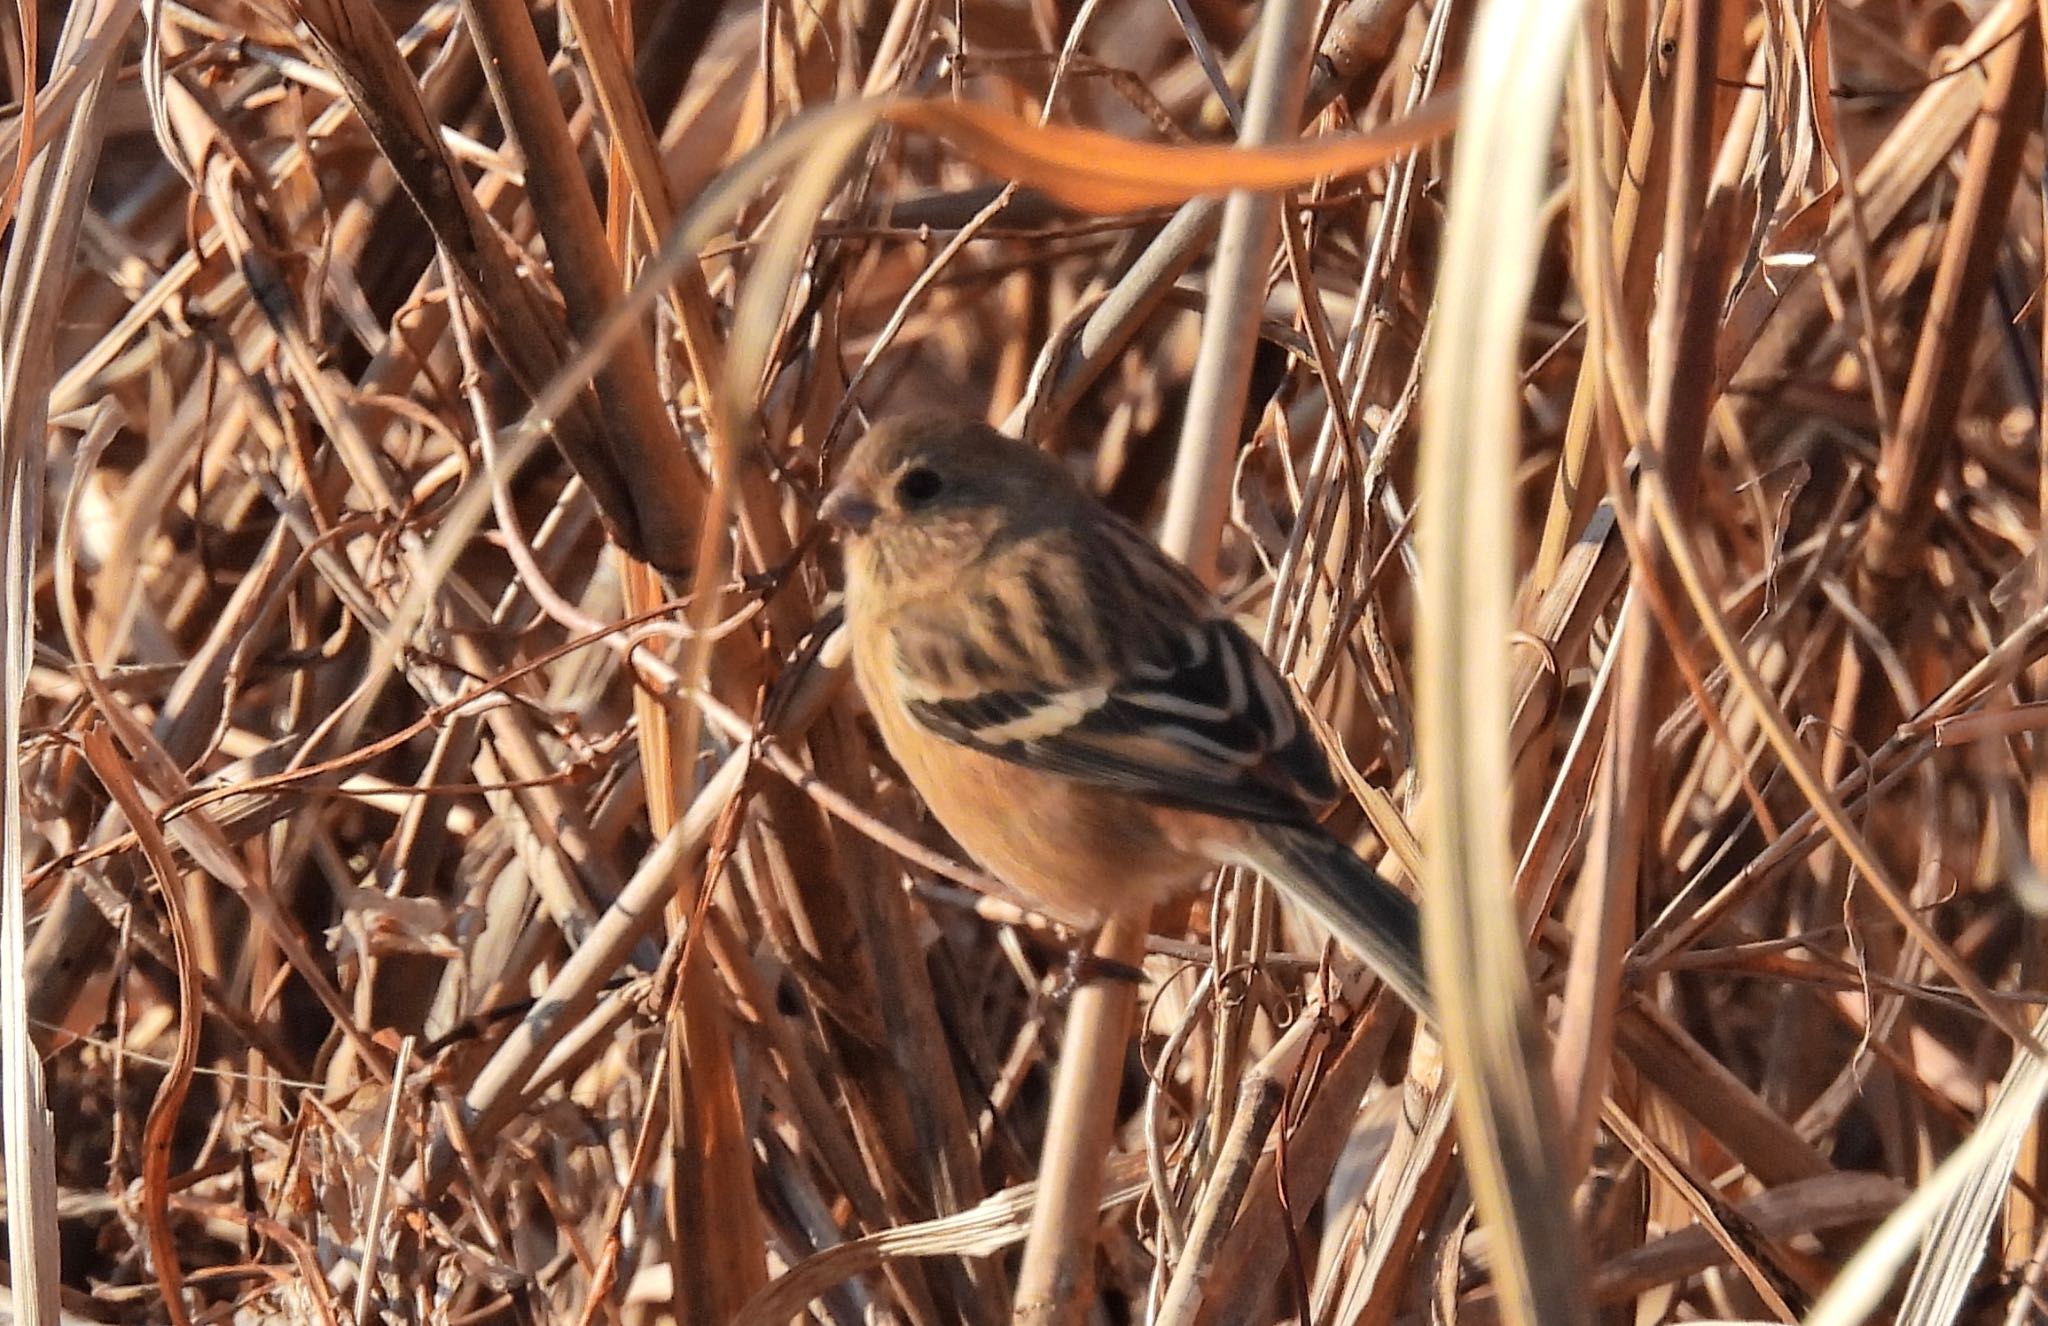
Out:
{"x": 1184, "y": 710}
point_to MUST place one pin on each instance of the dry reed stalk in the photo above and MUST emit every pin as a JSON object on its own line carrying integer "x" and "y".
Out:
{"x": 1493, "y": 1039}
{"x": 54, "y": 185}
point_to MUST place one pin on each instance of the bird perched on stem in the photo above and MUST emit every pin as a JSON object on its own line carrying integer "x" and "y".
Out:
{"x": 1076, "y": 709}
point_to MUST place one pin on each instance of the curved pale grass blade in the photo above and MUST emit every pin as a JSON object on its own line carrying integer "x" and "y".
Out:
{"x": 996, "y": 1223}
{"x": 1493, "y": 1039}
{"x": 1942, "y": 1213}
{"x": 1956, "y": 1239}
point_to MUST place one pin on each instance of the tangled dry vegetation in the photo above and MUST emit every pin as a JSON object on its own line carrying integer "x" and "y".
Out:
{"x": 460, "y": 886}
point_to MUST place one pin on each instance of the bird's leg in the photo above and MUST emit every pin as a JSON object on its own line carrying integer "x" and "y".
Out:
{"x": 1087, "y": 966}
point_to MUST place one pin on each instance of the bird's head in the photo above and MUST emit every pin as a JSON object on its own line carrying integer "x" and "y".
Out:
{"x": 925, "y": 492}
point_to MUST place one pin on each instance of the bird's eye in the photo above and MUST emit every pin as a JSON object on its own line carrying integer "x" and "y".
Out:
{"x": 918, "y": 486}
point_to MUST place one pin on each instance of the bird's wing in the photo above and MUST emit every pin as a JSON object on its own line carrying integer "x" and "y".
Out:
{"x": 1174, "y": 703}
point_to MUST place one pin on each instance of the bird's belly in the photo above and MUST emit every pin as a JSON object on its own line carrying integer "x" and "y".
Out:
{"x": 1084, "y": 853}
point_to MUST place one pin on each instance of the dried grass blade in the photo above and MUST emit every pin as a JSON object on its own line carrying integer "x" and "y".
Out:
{"x": 1954, "y": 1197}
{"x": 1936, "y": 387}
{"x": 1259, "y": 1241}
{"x": 521, "y": 324}
{"x": 996, "y": 1223}
{"x": 1101, "y": 172}
{"x": 666, "y": 491}
{"x": 1494, "y": 1042}
{"x": 1786, "y": 1212}
{"x": 31, "y": 1145}
{"x": 1955, "y": 1242}
{"x": 1799, "y": 765}
{"x": 107, "y": 762}
{"x": 38, "y": 266}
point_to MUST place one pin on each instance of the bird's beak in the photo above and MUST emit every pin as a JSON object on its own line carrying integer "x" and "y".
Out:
{"x": 850, "y": 508}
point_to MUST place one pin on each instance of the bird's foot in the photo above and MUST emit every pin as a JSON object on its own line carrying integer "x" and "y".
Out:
{"x": 1089, "y": 967}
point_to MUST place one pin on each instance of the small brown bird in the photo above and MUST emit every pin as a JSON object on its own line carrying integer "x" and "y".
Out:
{"x": 1076, "y": 709}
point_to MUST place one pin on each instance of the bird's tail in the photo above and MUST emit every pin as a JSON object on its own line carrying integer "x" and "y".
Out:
{"x": 1374, "y": 920}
